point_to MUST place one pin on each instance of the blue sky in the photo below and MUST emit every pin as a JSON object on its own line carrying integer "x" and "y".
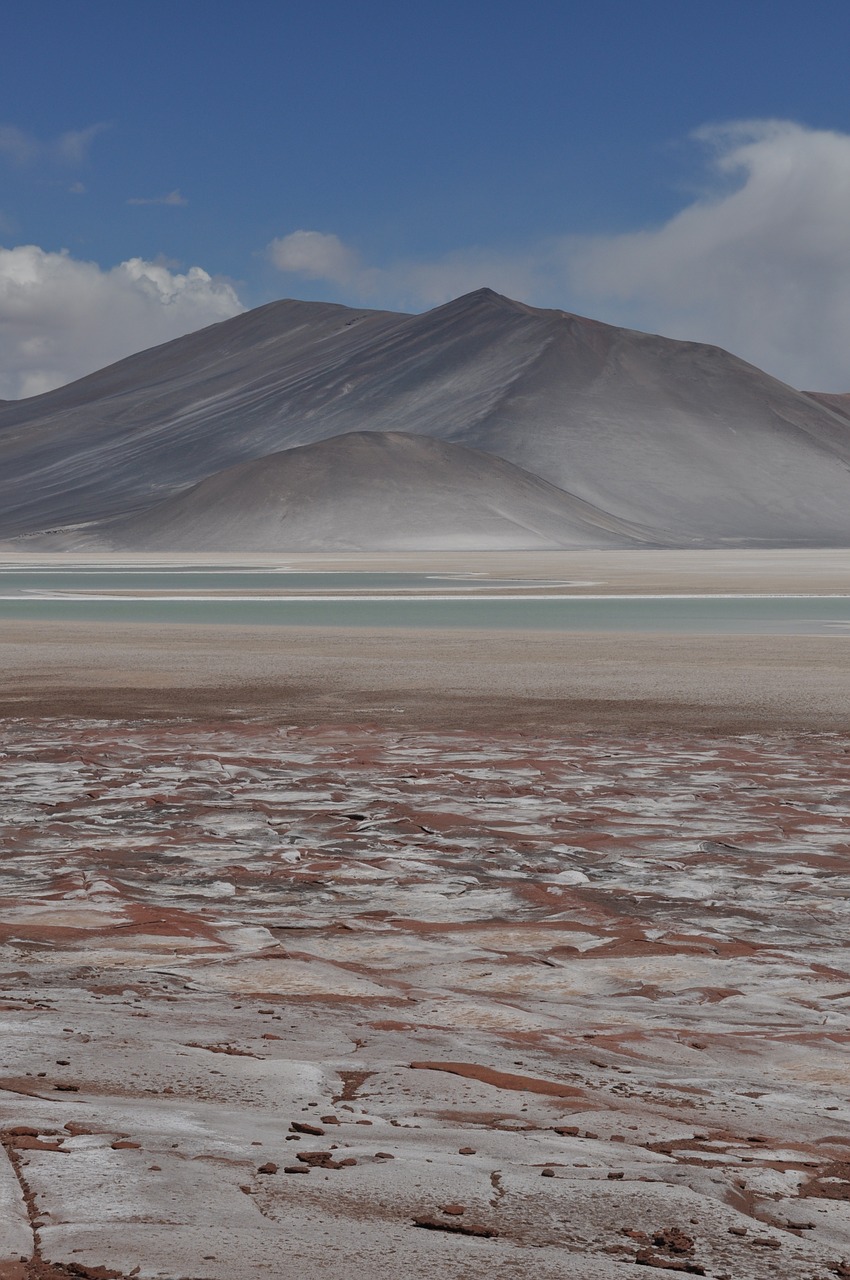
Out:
{"x": 396, "y": 155}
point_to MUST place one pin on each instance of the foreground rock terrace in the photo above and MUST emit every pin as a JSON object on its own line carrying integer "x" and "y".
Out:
{"x": 508, "y": 1003}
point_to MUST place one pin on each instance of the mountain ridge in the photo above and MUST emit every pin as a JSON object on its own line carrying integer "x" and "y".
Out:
{"x": 679, "y": 438}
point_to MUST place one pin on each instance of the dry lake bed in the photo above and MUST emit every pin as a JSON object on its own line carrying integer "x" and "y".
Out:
{"x": 364, "y": 951}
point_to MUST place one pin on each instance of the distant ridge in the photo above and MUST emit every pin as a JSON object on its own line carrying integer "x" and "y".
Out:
{"x": 839, "y": 402}
{"x": 682, "y": 441}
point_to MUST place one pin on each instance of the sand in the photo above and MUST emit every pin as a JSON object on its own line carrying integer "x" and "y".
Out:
{"x": 427, "y": 679}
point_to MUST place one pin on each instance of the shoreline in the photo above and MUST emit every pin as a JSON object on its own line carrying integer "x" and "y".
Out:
{"x": 805, "y": 571}
{"x": 412, "y": 596}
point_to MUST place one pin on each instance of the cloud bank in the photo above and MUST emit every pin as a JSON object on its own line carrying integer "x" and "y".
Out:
{"x": 758, "y": 263}
{"x": 61, "y": 317}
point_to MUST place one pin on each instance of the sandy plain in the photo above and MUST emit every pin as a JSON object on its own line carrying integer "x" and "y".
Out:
{"x": 527, "y": 951}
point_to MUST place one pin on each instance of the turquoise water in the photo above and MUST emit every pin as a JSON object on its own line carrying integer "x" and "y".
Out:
{"x": 15, "y": 581}
{"x": 803, "y": 615}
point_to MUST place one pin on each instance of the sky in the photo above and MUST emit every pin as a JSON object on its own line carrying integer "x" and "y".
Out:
{"x": 675, "y": 167}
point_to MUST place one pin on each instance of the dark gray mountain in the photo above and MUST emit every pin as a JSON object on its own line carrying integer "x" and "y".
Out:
{"x": 372, "y": 491}
{"x": 678, "y": 439}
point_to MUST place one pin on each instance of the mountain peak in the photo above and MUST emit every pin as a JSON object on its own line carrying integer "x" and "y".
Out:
{"x": 485, "y": 297}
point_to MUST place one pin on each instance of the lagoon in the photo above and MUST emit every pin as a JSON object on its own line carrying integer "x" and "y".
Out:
{"x": 282, "y": 598}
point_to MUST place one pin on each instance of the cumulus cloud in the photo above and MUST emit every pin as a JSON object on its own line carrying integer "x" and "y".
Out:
{"x": 318, "y": 257}
{"x": 69, "y": 148}
{"x": 759, "y": 263}
{"x": 61, "y": 317}
{"x": 174, "y": 197}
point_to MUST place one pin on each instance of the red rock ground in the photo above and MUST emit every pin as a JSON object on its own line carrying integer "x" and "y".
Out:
{"x": 591, "y": 990}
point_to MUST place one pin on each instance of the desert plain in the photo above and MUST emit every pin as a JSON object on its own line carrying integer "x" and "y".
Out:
{"x": 418, "y": 951}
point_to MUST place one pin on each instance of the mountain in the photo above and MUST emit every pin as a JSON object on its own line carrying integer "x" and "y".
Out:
{"x": 372, "y": 491}
{"x": 683, "y": 442}
{"x": 839, "y": 402}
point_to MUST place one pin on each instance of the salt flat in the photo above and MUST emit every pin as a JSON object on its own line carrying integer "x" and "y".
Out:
{"x": 591, "y": 988}
{"x": 550, "y": 929}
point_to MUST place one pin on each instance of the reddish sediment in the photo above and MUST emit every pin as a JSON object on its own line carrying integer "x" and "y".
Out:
{"x": 617, "y": 956}
{"x": 500, "y": 1079}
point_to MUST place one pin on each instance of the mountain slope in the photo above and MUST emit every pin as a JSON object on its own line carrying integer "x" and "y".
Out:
{"x": 161, "y": 420}
{"x": 839, "y": 402}
{"x": 680, "y": 438}
{"x": 371, "y": 491}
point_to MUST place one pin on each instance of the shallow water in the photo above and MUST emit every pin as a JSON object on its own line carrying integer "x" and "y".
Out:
{"x": 25, "y": 581}
{"x": 394, "y": 600}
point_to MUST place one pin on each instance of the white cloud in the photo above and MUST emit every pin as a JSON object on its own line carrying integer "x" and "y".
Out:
{"x": 61, "y": 317}
{"x": 69, "y": 148}
{"x": 174, "y": 197}
{"x": 318, "y": 257}
{"x": 763, "y": 268}
{"x": 759, "y": 263}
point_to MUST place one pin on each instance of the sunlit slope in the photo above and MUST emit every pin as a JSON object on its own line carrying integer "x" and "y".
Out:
{"x": 163, "y": 419}
{"x": 680, "y": 439}
{"x": 372, "y": 491}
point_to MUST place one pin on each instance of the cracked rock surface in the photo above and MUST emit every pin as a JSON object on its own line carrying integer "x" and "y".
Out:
{"x": 421, "y": 969}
